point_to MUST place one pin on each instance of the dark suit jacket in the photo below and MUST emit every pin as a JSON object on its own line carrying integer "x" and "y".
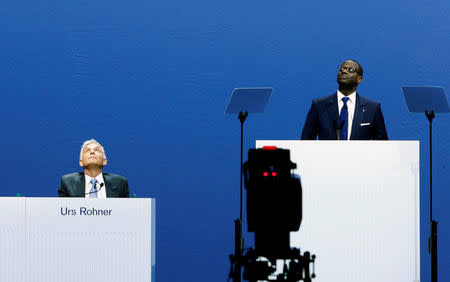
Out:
{"x": 74, "y": 185}
{"x": 368, "y": 121}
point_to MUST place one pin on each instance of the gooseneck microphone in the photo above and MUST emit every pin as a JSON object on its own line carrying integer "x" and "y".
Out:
{"x": 338, "y": 127}
{"x": 96, "y": 191}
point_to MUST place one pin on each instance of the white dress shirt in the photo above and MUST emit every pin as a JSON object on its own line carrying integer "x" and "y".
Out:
{"x": 101, "y": 192}
{"x": 351, "y": 109}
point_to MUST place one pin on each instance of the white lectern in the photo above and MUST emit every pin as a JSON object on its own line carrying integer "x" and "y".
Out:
{"x": 360, "y": 208}
{"x": 77, "y": 239}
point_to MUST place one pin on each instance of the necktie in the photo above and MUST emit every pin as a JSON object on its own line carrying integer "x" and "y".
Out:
{"x": 93, "y": 192}
{"x": 344, "y": 120}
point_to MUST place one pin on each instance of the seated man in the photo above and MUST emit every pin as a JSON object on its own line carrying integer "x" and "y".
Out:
{"x": 92, "y": 182}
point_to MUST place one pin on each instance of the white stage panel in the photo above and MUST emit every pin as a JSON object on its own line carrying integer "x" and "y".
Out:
{"x": 360, "y": 208}
{"x": 12, "y": 239}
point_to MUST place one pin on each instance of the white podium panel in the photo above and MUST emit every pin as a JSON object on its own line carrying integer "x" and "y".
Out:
{"x": 73, "y": 239}
{"x": 12, "y": 239}
{"x": 360, "y": 208}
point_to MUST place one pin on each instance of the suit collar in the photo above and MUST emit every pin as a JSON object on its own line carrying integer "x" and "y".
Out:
{"x": 333, "y": 113}
{"x": 107, "y": 182}
{"x": 360, "y": 109}
{"x": 332, "y": 99}
{"x": 81, "y": 184}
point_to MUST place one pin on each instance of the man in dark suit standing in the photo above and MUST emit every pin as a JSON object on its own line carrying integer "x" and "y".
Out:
{"x": 92, "y": 182}
{"x": 345, "y": 115}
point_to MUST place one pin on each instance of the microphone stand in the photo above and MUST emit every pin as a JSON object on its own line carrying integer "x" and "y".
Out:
{"x": 338, "y": 128}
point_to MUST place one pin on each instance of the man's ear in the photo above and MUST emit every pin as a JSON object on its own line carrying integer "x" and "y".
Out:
{"x": 81, "y": 163}
{"x": 105, "y": 161}
{"x": 359, "y": 79}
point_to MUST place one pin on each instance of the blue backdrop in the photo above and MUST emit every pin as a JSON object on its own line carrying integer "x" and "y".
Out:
{"x": 150, "y": 80}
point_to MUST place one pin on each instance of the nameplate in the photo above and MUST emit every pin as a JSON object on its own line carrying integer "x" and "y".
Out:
{"x": 85, "y": 211}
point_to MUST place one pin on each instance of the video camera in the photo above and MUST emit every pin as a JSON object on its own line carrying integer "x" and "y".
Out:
{"x": 274, "y": 209}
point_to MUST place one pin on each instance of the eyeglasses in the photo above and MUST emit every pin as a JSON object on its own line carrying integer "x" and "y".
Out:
{"x": 349, "y": 69}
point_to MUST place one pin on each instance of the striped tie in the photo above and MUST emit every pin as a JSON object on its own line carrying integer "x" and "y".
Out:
{"x": 93, "y": 192}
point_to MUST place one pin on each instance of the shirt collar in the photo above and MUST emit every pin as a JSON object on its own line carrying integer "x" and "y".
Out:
{"x": 351, "y": 97}
{"x": 98, "y": 177}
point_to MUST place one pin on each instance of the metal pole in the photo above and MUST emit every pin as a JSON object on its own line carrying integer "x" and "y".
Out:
{"x": 432, "y": 243}
{"x": 242, "y": 116}
{"x": 238, "y": 240}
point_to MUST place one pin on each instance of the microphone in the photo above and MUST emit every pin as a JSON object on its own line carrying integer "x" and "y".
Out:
{"x": 338, "y": 127}
{"x": 96, "y": 191}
